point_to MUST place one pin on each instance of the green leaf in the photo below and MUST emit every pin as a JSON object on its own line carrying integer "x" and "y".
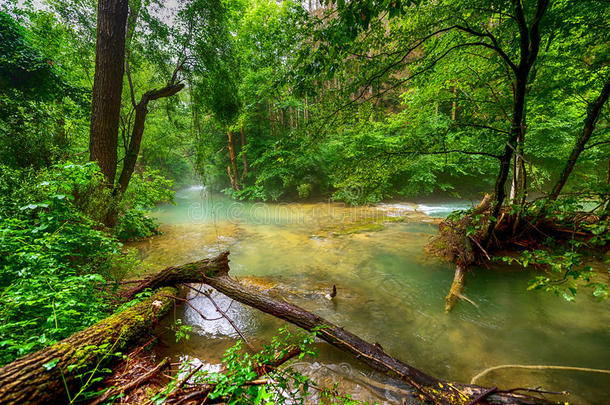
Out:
{"x": 50, "y": 364}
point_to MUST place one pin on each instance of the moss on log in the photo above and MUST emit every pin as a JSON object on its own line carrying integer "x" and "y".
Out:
{"x": 43, "y": 377}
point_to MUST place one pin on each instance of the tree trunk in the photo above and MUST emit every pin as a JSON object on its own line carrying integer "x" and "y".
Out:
{"x": 131, "y": 156}
{"x": 589, "y": 126}
{"x": 214, "y": 272}
{"x": 244, "y": 158}
{"x": 506, "y": 158}
{"x": 529, "y": 46}
{"x": 107, "y": 85}
{"x": 133, "y": 151}
{"x": 233, "y": 169}
{"x": 44, "y": 376}
{"x": 513, "y": 185}
{"x": 606, "y": 211}
{"x": 454, "y": 104}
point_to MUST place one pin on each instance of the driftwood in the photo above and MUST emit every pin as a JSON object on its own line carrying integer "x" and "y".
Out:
{"x": 455, "y": 291}
{"x": 431, "y": 388}
{"x": 45, "y": 376}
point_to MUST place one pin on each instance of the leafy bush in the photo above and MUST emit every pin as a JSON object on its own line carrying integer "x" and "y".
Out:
{"x": 135, "y": 224}
{"x": 146, "y": 189}
{"x": 304, "y": 190}
{"x": 52, "y": 261}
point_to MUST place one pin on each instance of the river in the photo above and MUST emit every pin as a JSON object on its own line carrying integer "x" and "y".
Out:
{"x": 388, "y": 291}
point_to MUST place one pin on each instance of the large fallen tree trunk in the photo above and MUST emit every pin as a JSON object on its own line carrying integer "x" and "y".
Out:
{"x": 45, "y": 377}
{"x": 431, "y": 388}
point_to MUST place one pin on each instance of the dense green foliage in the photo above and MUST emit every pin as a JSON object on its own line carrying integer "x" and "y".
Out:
{"x": 53, "y": 259}
{"x": 58, "y": 264}
{"x": 380, "y": 105}
{"x": 39, "y": 107}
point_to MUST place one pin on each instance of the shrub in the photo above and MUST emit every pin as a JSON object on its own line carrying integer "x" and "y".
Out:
{"x": 52, "y": 261}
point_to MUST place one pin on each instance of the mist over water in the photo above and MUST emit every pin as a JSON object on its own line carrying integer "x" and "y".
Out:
{"x": 389, "y": 291}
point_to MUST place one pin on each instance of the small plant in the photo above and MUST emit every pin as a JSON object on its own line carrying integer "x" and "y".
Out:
{"x": 304, "y": 190}
{"x": 240, "y": 382}
{"x": 182, "y": 331}
{"x": 333, "y": 397}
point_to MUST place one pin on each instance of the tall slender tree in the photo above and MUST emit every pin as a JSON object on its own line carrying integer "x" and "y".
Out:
{"x": 108, "y": 85}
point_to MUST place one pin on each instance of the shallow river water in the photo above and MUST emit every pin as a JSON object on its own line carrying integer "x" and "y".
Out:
{"x": 389, "y": 291}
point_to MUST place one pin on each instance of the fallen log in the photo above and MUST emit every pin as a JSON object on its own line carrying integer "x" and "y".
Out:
{"x": 431, "y": 388}
{"x": 186, "y": 273}
{"x": 53, "y": 375}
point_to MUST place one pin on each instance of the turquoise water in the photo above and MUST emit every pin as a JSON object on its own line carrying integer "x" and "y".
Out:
{"x": 389, "y": 291}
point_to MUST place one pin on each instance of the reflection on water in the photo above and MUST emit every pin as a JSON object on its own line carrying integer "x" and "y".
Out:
{"x": 389, "y": 292}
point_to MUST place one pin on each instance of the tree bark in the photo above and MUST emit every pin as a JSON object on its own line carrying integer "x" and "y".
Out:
{"x": 107, "y": 85}
{"x": 590, "y": 121}
{"x": 186, "y": 273}
{"x": 214, "y": 272}
{"x": 606, "y": 211}
{"x": 35, "y": 379}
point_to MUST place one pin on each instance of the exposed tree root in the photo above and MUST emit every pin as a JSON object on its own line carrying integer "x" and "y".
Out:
{"x": 455, "y": 291}
{"x": 460, "y": 240}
